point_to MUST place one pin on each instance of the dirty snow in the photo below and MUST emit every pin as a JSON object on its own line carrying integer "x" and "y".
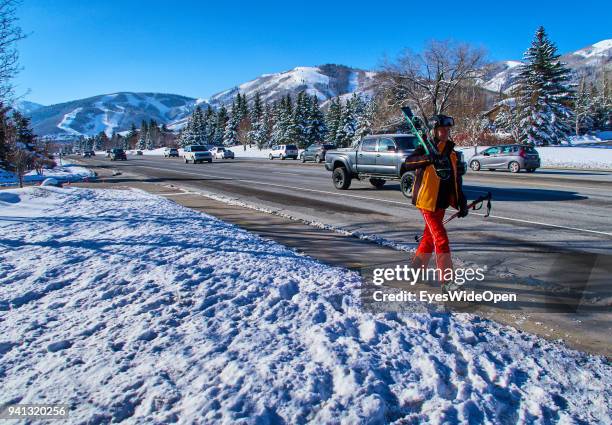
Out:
{"x": 125, "y": 305}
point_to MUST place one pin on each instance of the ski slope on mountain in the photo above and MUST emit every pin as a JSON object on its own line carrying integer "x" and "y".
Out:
{"x": 128, "y": 306}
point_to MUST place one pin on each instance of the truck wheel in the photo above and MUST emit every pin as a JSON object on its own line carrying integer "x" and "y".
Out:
{"x": 406, "y": 184}
{"x": 341, "y": 178}
{"x": 377, "y": 183}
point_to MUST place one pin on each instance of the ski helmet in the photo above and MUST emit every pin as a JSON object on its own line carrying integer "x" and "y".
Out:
{"x": 441, "y": 121}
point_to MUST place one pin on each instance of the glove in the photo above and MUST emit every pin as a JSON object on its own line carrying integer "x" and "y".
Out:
{"x": 463, "y": 211}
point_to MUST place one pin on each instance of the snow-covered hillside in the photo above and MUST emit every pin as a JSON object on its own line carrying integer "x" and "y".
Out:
{"x": 500, "y": 75}
{"x": 124, "y": 305}
{"x": 26, "y": 107}
{"x": 110, "y": 112}
{"x": 585, "y": 61}
{"x": 325, "y": 81}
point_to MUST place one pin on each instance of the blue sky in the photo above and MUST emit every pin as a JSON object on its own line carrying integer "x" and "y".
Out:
{"x": 78, "y": 49}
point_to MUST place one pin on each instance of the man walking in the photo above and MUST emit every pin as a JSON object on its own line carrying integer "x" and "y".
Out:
{"x": 433, "y": 195}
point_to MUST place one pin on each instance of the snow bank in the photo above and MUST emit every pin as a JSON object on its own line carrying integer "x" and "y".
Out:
{"x": 125, "y": 305}
{"x": 65, "y": 173}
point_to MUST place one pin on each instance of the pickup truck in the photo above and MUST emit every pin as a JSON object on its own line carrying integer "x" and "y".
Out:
{"x": 377, "y": 157}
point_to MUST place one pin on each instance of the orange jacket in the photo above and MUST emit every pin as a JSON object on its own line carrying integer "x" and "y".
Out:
{"x": 426, "y": 188}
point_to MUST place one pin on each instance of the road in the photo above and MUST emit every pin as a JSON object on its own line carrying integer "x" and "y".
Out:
{"x": 548, "y": 238}
{"x": 538, "y": 223}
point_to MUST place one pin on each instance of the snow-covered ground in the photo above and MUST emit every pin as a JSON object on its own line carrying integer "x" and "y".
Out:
{"x": 66, "y": 173}
{"x": 126, "y": 305}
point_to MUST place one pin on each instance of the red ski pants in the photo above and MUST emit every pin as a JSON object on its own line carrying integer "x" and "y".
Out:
{"x": 435, "y": 240}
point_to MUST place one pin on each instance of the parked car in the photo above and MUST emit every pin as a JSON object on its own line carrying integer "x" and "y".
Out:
{"x": 138, "y": 152}
{"x": 196, "y": 153}
{"x": 315, "y": 153}
{"x": 118, "y": 154}
{"x": 220, "y": 152}
{"x": 86, "y": 154}
{"x": 171, "y": 152}
{"x": 509, "y": 157}
{"x": 284, "y": 152}
{"x": 378, "y": 158}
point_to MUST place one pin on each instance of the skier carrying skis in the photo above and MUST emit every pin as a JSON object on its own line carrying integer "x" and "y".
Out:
{"x": 433, "y": 195}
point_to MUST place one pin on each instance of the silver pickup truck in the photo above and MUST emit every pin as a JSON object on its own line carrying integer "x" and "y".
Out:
{"x": 378, "y": 157}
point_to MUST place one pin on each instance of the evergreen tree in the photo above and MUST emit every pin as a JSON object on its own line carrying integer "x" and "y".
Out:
{"x": 348, "y": 125}
{"x": 24, "y": 132}
{"x": 298, "y": 129}
{"x": 332, "y": 120}
{"x": 221, "y": 121}
{"x": 142, "y": 136}
{"x": 365, "y": 117}
{"x": 545, "y": 94}
{"x": 230, "y": 135}
{"x": 316, "y": 130}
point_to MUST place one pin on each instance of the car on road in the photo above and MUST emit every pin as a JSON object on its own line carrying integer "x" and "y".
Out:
{"x": 316, "y": 152}
{"x": 284, "y": 152}
{"x": 220, "y": 152}
{"x": 118, "y": 154}
{"x": 508, "y": 157}
{"x": 197, "y": 153}
{"x": 171, "y": 152}
{"x": 377, "y": 158}
{"x": 86, "y": 154}
{"x": 138, "y": 152}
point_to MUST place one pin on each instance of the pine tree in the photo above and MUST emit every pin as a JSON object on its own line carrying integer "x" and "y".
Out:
{"x": 299, "y": 125}
{"x": 230, "y": 135}
{"x": 365, "y": 117}
{"x": 131, "y": 136}
{"x": 332, "y": 120}
{"x": 316, "y": 130}
{"x": 221, "y": 121}
{"x": 545, "y": 94}
{"x": 24, "y": 132}
{"x": 348, "y": 125}
{"x": 142, "y": 136}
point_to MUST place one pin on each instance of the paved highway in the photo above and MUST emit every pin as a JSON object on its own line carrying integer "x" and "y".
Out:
{"x": 539, "y": 222}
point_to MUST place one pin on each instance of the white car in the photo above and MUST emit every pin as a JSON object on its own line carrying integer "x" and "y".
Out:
{"x": 220, "y": 152}
{"x": 197, "y": 153}
{"x": 284, "y": 152}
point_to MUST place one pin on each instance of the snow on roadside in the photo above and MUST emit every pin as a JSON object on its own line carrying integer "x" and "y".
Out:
{"x": 127, "y": 305}
{"x": 65, "y": 173}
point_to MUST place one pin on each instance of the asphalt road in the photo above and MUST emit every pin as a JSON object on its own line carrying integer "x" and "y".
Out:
{"x": 543, "y": 226}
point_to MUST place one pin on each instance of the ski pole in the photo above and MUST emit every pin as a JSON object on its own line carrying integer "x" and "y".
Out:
{"x": 472, "y": 205}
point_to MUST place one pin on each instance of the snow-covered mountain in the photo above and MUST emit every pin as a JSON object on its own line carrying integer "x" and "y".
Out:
{"x": 26, "y": 107}
{"x": 325, "y": 81}
{"x": 108, "y": 113}
{"x": 500, "y": 74}
{"x": 116, "y": 112}
{"x": 586, "y": 61}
